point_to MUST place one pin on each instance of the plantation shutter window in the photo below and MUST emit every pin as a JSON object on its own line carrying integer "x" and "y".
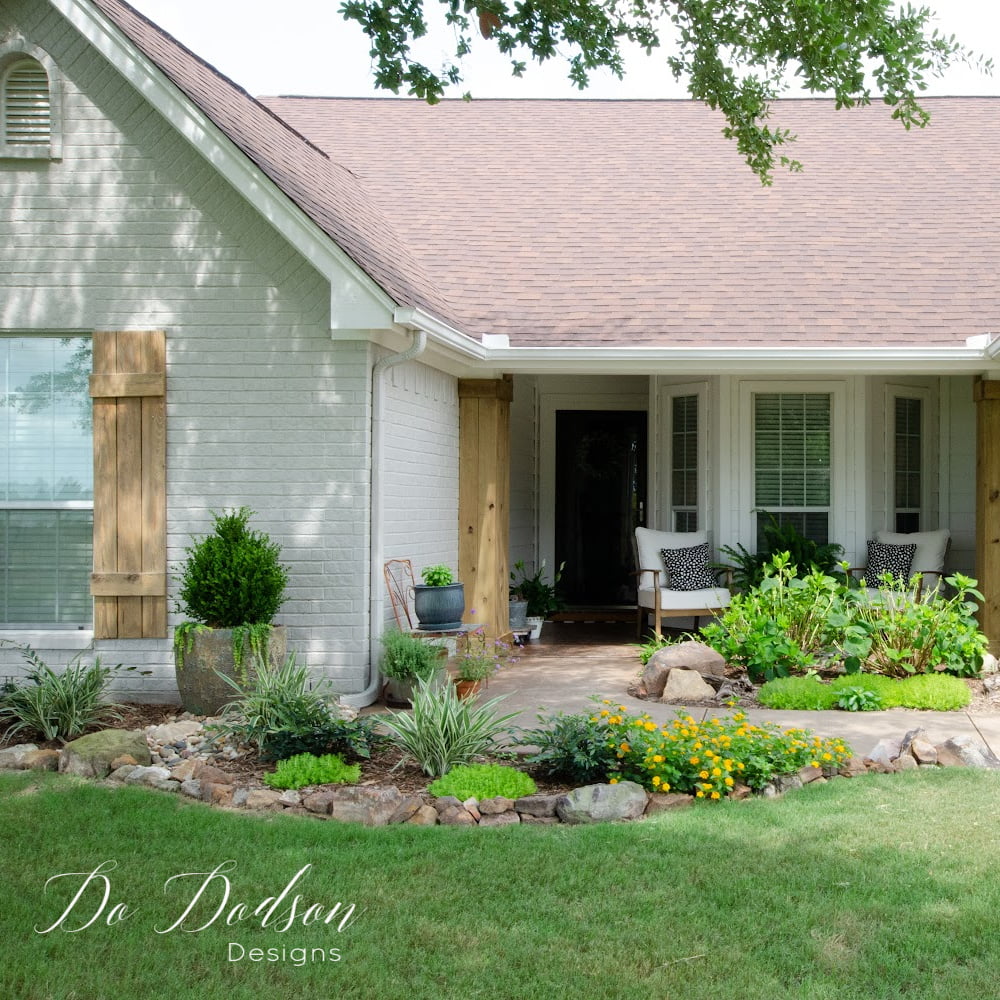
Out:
{"x": 129, "y": 581}
{"x": 46, "y": 483}
{"x": 684, "y": 462}
{"x": 27, "y": 106}
{"x": 792, "y": 462}
{"x": 908, "y": 446}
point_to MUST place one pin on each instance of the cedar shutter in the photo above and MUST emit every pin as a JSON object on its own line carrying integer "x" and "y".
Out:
{"x": 128, "y": 387}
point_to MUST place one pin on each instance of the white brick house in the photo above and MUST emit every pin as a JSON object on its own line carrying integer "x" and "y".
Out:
{"x": 379, "y": 320}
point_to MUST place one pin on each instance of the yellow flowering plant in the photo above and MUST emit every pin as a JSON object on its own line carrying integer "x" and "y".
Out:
{"x": 709, "y": 758}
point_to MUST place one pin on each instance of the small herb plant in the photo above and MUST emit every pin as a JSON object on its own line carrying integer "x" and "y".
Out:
{"x": 542, "y": 596}
{"x": 858, "y": 699}
{"x": 444, "y": 731}
{"x": 305, "y": 769}
{"x": 409, "y": 657}
{"x": 437, "y": 576}
{"x": 479, "y": 658}
{"x": 58, "y": 706}
{"x": 483, "y": 781}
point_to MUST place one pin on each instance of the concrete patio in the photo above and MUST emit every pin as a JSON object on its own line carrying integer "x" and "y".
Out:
{"x": 574, "y": 660}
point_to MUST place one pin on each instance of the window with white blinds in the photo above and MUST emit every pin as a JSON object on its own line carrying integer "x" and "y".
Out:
{"x": 46, "y": 482}
{"x": 792, "y": 461}
{"x": 27, "y": 108}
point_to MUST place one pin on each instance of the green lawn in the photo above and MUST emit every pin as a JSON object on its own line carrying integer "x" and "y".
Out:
{"x": 878, "y": 887}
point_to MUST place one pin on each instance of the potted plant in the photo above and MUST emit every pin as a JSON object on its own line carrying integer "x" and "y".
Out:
{"x": 477, "y": 660}
{"x": 541, "y": 595}
{"x": 232, "y": 584}
{"x": 440, "y": 601}
{"x": 406, "y": 659}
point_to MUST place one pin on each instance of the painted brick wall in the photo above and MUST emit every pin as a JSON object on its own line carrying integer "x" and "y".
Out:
{"x": 420, "y": 477}
{"x": 132, "y": 229}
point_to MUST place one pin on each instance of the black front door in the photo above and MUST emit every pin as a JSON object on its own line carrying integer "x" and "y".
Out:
{"x": 600, "y": 491}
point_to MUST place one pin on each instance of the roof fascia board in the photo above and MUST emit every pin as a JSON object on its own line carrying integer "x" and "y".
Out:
{"x": 756, "y": 360}
{"x": 211, "y": 143}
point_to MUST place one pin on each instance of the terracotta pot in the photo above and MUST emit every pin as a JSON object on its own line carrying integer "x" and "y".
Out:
{"x": 466, "y": 689}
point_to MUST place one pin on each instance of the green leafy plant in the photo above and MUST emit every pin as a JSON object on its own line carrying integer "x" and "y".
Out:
{"x": 351, "y": 738}
{"x": 779, "y": 627}
{"x": 542, "y": 597}
{"x": 891, "y": 633}
{"x": 858, "y": 699}
{"x": 572, "y": 748}
{"x": 443, "y": 730}
{"x": 408, "y": 657}
{"x": 276, "y": 699}
{"x": 58, "y": 706}
{"x": 479, "y": 657}
{"x": 306, "y": 769}
{"x": 649, "y": 648}
{"x": 437, "y": 576}
{"x": 233, "y": 576}
{"x": 483, "y": 781}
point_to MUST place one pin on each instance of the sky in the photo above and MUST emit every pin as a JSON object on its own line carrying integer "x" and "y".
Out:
{"x": 304, "y": 47}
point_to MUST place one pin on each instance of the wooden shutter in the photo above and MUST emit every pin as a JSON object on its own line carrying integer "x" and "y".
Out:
{"x": 129, "y": 582}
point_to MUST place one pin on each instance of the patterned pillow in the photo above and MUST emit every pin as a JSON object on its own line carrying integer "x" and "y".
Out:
{"x": 687, "y": 569}
{"x": 892, "y": 559}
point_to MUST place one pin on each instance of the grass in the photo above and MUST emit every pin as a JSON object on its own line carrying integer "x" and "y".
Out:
{"x": 871, "y": 888}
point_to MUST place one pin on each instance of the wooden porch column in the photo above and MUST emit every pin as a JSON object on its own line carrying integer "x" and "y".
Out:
{"x": 987, "y": 396}
{"x": 484, "y": 498}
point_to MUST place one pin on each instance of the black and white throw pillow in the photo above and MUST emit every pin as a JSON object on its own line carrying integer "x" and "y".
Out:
{"x": 892, "y": 559}
{"x": 687, "y": 569}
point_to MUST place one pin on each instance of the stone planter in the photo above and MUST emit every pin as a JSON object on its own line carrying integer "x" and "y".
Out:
{"x": 207, "y": 653}
{"x": 439, "y": 609}
{"x": 518, "y": 615}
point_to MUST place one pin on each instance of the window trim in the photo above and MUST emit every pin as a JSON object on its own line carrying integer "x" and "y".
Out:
{"x": 894, "y": 391}
{"x": 670, "y": 393}
{"x": 13, "y": 51}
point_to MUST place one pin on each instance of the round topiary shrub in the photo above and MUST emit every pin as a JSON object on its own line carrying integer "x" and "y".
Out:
{"x": 232, "y": 577}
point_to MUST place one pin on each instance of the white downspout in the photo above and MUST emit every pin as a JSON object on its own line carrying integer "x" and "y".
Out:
{"x": 376, "y": 555}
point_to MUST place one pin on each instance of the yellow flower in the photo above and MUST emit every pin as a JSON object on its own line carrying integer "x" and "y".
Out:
{"x": 666, "y": 786}
{"x": 699, "y": 794}
{"x": 716, "y": 772}
{"x": 703, "y": 774}
{"x": 715, "y": 795}
{"x": 695, "y": 760}
{"x": 738, "y": 717}
{"x": 612, "y": 781}
{"x": 656, "y": 779}
{"x": 658, "y": 758}
{"x": 814, "y": 763}
{"x": 828, "y": 756}
{"x": 729, "y": 782}
{"x": 707, "y": 786}
{"x": 625, "y": 748}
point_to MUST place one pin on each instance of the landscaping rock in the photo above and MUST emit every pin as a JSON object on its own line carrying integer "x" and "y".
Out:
{"x": 263, "y": 799}
{"x": 90, "y": 756}
{"x": 191, "y": 788}
{"x": 496, "y": 806}
{"x": 905, "y": 762}
{"x": 947, "y": 757}
{"x": 973, "y": 754}
{"x": 11, "y": 757}
{"x": 368, "y": 805}
{"x": 207, "y": 772}
{"x": 456, "y": 816}
{"x": 41, "y": 760}
{"x": 530, "y": 820}
{"x": 290, "y": 798}
{"x": 216, "y": 793}
{"x": 809, "y": 774}
{"x": 425, "y": 816}
{"x": 602, "y": 803}
{"x": 472, "y": 805}
{"x": 445, "y": 802}
{"x": 184, "y": 770}
{"x": 318, "y": 801}
{"x": 666, "y": 801}
{"x": 537, "y": 805}
{"x": 923, "y": 751}
{"x": 174, "y": 732}
{"x": 884, "y": 752}
{"x": 500, "y": 819}
{"x": 406, "y": 810}
{"x": 685, "y": 685}
{"x": 782, "y": 783}
{"x": 140, "y": 775}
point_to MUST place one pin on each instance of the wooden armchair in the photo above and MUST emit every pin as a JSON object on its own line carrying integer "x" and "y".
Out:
{"x": 925, "y": 570}
{"x": 682, "y": 584}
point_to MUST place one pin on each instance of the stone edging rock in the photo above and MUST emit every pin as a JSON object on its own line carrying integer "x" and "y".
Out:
{"x": 153, "y": 758}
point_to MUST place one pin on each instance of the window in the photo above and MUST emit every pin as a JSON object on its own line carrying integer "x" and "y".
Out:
{"x": 792, "y": 462}
{"x": 684, "y": 463}
{"x": 908, "y": 446}
{"x": 46, "y": 482}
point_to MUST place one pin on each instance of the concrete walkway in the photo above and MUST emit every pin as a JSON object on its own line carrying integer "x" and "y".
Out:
{"x": 571, "y": 663}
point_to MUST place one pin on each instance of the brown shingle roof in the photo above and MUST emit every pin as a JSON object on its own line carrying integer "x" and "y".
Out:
{"x": 591, "y": 223}
{"x": 323, "y": 188}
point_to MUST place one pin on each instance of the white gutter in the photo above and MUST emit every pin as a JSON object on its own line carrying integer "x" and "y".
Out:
{"x": 376, "y": 552}
{"x": 441, "y": 333}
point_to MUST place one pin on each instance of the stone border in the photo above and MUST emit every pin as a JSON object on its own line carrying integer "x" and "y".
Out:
{"x": 130, "y": 758}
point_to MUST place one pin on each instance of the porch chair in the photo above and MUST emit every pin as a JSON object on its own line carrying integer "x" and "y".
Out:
{"x": 674, "y": 578}
{"x": 919, "y": 554}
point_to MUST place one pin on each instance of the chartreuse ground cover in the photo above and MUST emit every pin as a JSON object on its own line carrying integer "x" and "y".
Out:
{"x": 860, "y": 889}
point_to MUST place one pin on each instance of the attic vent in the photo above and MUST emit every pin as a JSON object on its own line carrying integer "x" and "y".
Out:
{"x": 27, "y": 109}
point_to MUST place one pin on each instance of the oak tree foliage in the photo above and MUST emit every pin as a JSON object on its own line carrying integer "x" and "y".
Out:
{"x": 735, "y": 55}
